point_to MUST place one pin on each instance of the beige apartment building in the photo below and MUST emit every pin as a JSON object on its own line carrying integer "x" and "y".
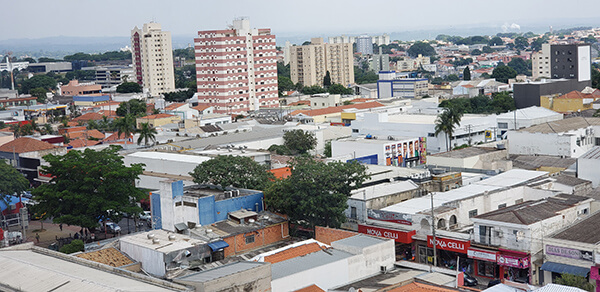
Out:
{"x": 152, "y": 56}
{"x": 540, "y": 63}
{"x": 310, "y": 63}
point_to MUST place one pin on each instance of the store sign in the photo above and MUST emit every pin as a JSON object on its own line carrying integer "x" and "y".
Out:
{"x": 512, "y": 261}
{"x": 396, "y": 235}
{"x": 477, "y": 254}
{"x": 570, "y": 253}
{"x": 387, "y": 216}
{"x": 449, "y": 244}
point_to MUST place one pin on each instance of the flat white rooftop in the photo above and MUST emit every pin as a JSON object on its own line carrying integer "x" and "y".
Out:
{"x": 169, "y": 156}
{"x": 165, "y": 245}
{"x": 382, "y": 190}
{"x": 425, "y": 119}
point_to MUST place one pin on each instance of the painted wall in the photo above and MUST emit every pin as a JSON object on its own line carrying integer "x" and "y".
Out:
{"x": 152, "y": 260}
{"x": 588, "y": 169}
{"x": 322, "y": 276}
{"x": 564, "y": 144}
{"x": 268, "y": 235}
{"x": 255, "y": 279}
{"x": 368, "y": 260}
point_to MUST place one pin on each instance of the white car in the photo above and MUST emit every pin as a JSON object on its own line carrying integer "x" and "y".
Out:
{"x": 113, "y": 227}
{"x": 146, "y": 216}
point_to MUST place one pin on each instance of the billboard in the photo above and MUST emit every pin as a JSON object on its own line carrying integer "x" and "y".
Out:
{"x": 406, "y": 153}
{"x": 387, "y": 216}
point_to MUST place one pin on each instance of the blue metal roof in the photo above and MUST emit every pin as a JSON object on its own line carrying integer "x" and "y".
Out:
{"x": 218, "y": 245}
{"x": 565, "y": 269}
{"x": 91, "y": 98}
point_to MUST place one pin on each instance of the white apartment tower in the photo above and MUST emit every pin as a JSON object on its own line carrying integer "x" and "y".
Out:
{"x": 152, "y": 56}
{"x": 310, "y": 63}
{"x": 236, "y": 68}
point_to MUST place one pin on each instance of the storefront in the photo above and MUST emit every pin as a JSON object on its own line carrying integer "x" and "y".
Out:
{"x": 514, "y": 265}
{"x": 450, "y": 252}
{"x": 403, "y": 239}
{"x": 565, "y": 260}
{"x": 484, "y": 262}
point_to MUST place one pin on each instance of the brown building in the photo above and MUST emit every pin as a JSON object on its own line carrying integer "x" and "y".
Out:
{"x": 76, "y": 88}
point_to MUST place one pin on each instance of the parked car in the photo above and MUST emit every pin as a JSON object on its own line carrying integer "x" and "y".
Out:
{"x": 111, "y": 227}
{"x": 146, "y": 215}
{"x": 470, "y": 280}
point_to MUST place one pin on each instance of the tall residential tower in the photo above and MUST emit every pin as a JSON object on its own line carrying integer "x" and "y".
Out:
{"x": 152, "y": 56}
{"x": 236, "y": 68}
{"x": 310, "y": 63}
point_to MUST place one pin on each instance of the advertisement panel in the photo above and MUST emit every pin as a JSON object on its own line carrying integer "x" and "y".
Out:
{"x": 454, "y": 245}
{"x": 570, "y": 253}
{"x": 513, "y": 261}
{"x": 400, "y": 218}
{"x": 483, "y": 255}
{"x": 396, "y": 235}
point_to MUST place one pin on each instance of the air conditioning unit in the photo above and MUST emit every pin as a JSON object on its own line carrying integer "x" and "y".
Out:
{"x": 499, "y": 234}
{"x": 383, "y": 269}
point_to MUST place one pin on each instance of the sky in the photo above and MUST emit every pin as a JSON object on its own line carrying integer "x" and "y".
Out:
{"x": 108, "y": 18}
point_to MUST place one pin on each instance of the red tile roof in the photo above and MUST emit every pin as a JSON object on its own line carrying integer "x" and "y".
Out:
{"x": 108, "y": 114}
{"x": 337, "y": 109}
{"x": 88, "y": 117}
{"x": 293, "y": 252}
{"x": 157, "y": 116}
{"x": 362, "y": 100}
{"x": 78, "y": 143}
{"x": 311, "y": 288}
{"x": 116, "y": 137}
{"x": 86, "y": 134}
{"x": 282, "y": 172}
{"x": 578, "y": 95}
{"x": 301, "y": 102}
{"x": 174, "y": 106}
{"x": 26, "y": 144}
{"x": 420, "y": 287}
{"x": 201, "y": 108}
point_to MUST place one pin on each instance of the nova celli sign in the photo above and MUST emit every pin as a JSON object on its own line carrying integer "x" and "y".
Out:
{"x": 570, "y": 253}
{"x": 396, "y": 235}
{"x": 449, "y": 244}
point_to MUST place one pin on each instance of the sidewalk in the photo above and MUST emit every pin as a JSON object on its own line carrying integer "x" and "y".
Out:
{"x": 50, "y": 232}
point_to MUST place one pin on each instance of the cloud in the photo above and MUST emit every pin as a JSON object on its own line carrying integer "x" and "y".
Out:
{"x": 511, "y": 27}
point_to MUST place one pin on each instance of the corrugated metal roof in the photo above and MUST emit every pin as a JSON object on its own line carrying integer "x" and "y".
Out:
{"x": 309, "y": 261}
{"x": 382, "y": 190}
{"x": 558, "y": 288}
{"x": 221, "y": 271}
{"x": 593, "y": 153}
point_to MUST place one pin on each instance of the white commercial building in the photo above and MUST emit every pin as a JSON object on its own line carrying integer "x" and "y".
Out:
{"x": 525, "y": 117}
{"x": 588, "y": 166}
{"x": 381, "y": 125}
{"x": 377, "y": 197}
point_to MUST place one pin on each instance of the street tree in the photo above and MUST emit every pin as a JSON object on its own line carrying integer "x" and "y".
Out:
{"x": 129, "y": 87}
{"x": 299, "y": 141}
{"x": 574, "y": 281}
{"x": 232, "y": 171}
{"x": 88, "y": 186}
{"x": 12, "y": 182}
{"x": 316, "y": 192}
{"x": 134, "y": 107}
{"x": 147, "y": 133}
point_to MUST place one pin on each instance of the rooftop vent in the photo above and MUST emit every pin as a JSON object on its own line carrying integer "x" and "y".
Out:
{"x": 155, "y": 241}
{"x": 171, "y": 237}
{"x": 150, "y": 235}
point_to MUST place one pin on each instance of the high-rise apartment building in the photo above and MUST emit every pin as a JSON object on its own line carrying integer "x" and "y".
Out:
{"x": 364, "y": 45}
{"x": 562, "y": 61}
{"x": 310, "y": 63}
{"x": 236, "y": 68}
{"x": 152, "y": 56}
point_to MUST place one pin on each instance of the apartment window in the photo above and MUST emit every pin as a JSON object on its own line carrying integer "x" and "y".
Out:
{"x": 502, "y": 206}
{"x": 250, "y": 239}
{"x": 596, "y": 141}
{"x": 485, "y": 234}
{"x": 472, "y": 213}
{"x": 503, "y": 125}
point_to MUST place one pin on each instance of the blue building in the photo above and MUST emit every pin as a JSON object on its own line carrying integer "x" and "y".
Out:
{"x": 176, "y": 207}
{"x": 399, "y": 85}
{"x": 90, "y": 100}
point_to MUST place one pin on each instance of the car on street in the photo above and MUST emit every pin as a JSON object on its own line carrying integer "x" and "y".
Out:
{"x": 146, "y": 216}
{"x": 111, "y": 227}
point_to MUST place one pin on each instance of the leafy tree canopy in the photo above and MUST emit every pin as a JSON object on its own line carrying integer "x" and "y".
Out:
{"x": 467, "y": 73}
{"x": 316, "y": 192}
{"x": 129, "y": 87}
{"x": 495, "y": 41}
{"x": 38, "y": 81}
{"x": 11, "y": 181}
{"x": 520, "y": 66}
{"x": 315, "y": 89}
{"x": 107, "y": 56}
{"x": 339, "y": 89}
{"x": 236, "y": 171}
{"x": 575, "y": 281}
{"x": 299, "y": 141}
{"x": 362, "y": 76}
{"x": 502, "y": 73}
{"x": 284, "y": 84}
{"x": 421, "y": 48}
{"x": 476, "y": 52}
{"x": 133, "y": 107}
{"x": 500, "y": 102}
{"x": 179, "y": 96}
{"x": 88, "y": 186}
{"x": 283, "y": 70}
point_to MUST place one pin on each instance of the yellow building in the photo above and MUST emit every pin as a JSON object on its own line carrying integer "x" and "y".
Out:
{"x": 310, "y": 63}
{"x": 571, "y": 102}
{"x": 157, "y": 120}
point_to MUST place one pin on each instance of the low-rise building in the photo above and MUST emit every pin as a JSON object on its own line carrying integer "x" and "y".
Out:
{"x": 486, "y": 158}
{"x": 157, "y": 120}
{"x": 238, "y": 276}
{"x": 391, "y": 85}
{"x": 75, "y": 88}
{"x": 587, "y": 166}
{"x": 397, "y": 151}
{"x": 525, "y": 117}
{"x": 89, "y": 100}
{"x": 574, "y": 101}
{"x": 377, "y": 197}
{"x": 25, "y": 154}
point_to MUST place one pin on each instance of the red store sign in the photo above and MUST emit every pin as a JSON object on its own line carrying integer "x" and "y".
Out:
{"x": 449, "y": 244}
{"x": 513, "y": 261}
{"x": 396, "y": 235}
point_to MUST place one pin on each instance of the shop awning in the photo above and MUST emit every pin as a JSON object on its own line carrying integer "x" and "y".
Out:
{"x": 565, "y": 269}
{"x": 218, "y": 245}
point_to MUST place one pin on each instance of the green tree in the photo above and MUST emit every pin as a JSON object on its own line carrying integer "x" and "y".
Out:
{"x": 87, "y": 186}
{"x": 38, "y": 81}
{"x": 502, "y": 73}
{"x": 521, "y": 43}
{"x": 236, "y": 171}
{"x": 452, "y": 78}
{"x": 134, "y": 107}
{"x": 315, "y": 89}
{"x": 487, "y": 50}
{"x": 421, "y": 48}
{"x": 299, "y": 141}
{"x": 12, "y": 182}
{"x": 283, "y": 70}
{"x": 575, "y": 281}
{"x": 316, "y": 192}
{"x": 495, "y": 41}
{"x": 327, "y": 80}
{"x": 362, "y": 76}
{"x": 327, "y": 150}
{"x": 40, "y": 93}
{"x": 339, "y": 89}
{"x": 125, "y": 126}
{"x": 467, "y": 73}
{"x": 284, "y": 84}
{"x": 476, "y": 52}
{"x": 147, "y": 133}
{"x": 595, "y": 77}
{"x": 129, "y": 87}
{"x": 73, "y": 247}
{"x": 519, "y": 65}
{"x": 446, "y": 122}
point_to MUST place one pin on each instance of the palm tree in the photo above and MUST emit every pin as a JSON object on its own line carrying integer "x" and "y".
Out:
{"x": 146, "y": 133}
{"x": 125, "y": 125}
{"x": 446, "y": 122}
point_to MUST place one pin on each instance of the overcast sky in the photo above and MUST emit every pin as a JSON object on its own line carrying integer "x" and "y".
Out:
{"x": 43, "y": 18}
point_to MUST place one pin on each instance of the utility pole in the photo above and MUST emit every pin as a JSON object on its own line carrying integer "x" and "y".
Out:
{"x": 433, "y": 233}
{"x": 469, "y": 127}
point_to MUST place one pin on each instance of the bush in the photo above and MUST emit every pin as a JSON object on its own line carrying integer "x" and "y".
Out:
{"x": 75, "y": 246}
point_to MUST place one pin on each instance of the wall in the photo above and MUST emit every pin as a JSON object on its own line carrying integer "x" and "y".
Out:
{"x": 323, "y": 276}
{"x": 262, "y": 237}
{"x": 248, "y": 202}
{"x": 553, "y": 144}
{"x": 328, "y": 235}
{"x": 257, "y": 279}
{"x": 169, "y": 189}
{"x": 588, "y": 169}
{"x": 152, "y": 260}
{"x": 369, "y": 260}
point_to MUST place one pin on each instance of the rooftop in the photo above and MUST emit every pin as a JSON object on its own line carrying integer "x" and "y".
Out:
{"x": 466, "y": 152}
{"x": 174, "y": 106}
{"x": 108, "y": 256}
{"x": 532, "y": 112}
{"x": 222, "y": 271}
{"x": 382, "y": 190}
{"x": 229, "y": 227}
{"x": 583, "y": 231}
{"x": 535, "y": 162}
{"x": 570, "y": 180}
{"x": 158, "y": 116}
{"x": 26, "y": 144}
{"x": 307, "y": 262}
{"x": 562, "y": 126}
{"x": 164, "y": 245}
{"x": 531, "y": 212}
{"x": 293, "y": 252}
{"x": 337, "y": 109}
{"x": 359, "y": 240}
{"x": 166, "y": 156}
{"x": 593, "y": 153}
{"x": 211, "y": 190}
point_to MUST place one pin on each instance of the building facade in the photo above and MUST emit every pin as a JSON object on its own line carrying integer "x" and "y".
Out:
{"x": 390, "y": 85}
{"x": 236, "y": 68}
{"x": 540, "y": 63}
{"x": 152, "y": 58}
{"x": 310, "y": 63}
{"x": 364, "y": 45}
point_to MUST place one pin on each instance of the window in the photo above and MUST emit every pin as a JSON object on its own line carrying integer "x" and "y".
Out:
{"x": 519, "y": 201}
{"x": 502, "y": 206}
{"x": 356, "y": 131}
{"x": 503, "y": 125}
{"x": 353, "y": 212}
{"x": 472, "y": 213}
{"x": 430, "y": 134}
{"x": 485, "y": 234}
{"x": 250, "y": 239}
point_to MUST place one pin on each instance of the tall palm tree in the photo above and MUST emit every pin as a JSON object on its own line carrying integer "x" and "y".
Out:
{"x": 146, "y": 133}
{"x": 446, "y": 122}
{"x": 125, "y": 125}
